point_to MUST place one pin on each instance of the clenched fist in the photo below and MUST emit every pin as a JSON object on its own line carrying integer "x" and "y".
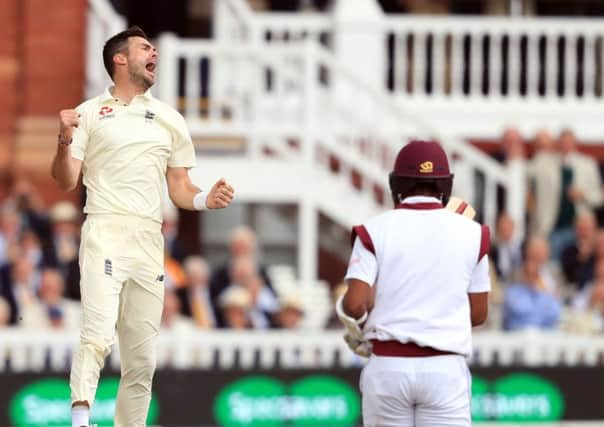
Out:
{"x": 220, "y": 195}
{"x": 69, "y": 119}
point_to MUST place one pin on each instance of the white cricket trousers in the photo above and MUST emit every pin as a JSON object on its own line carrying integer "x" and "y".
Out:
{"x": 122, "y": 287}
{"x": 416, "y": 392}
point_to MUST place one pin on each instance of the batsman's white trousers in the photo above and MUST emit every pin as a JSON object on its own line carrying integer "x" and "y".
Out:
{"x": 122, "y": 286}
{"x": 416, "y": 392}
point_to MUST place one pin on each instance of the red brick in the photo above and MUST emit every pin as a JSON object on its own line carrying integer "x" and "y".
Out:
{"x": 53, "y": 52}
{"x": 8, "y": 28}
{"x": 9, "y": 68}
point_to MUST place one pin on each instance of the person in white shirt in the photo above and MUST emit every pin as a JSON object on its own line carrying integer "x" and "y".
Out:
{"x": 52, "y": 310}
{"x": 417, "y": 282}
{"x": 195, "y": 297}
{"x": 127, "y": 144}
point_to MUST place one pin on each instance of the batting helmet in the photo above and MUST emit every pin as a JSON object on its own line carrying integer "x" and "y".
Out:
{"x": 421, "y": 163}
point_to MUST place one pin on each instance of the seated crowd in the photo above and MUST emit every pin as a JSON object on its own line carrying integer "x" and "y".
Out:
{"x": 549, "y": 277}
{"x": 39, "y": 275}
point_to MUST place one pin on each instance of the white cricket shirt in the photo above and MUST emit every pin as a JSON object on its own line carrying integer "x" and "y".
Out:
{"x": 423, "y": 260}
{"x": 125, "y": 151}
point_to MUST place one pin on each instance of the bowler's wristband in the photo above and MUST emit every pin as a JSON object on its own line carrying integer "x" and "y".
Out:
{"x": 199, "y": 201}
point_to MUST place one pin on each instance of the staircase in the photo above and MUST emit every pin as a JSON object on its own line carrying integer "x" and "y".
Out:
{"x": 276, "y": 104}
{"x": 312, "y": 131}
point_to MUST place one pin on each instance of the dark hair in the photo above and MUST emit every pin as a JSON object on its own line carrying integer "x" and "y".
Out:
{"x": 119, "y": 44}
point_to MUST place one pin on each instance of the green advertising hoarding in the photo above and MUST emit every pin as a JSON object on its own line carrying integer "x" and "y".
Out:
{"x": 516, "y": 397}
{"x": 263, "y": 401}
{"x": 46, "y": 402}
{"x": 300, "y": 397}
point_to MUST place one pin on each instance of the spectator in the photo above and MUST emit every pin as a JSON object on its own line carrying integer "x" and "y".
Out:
{"x": 291, "y": 312}
{"x": 264, "y": 304}
{"x": 169, "y": 228}
{"x": 171, "y": 317}
{"x": 52, "y": 310}
{"x": 578, "y": 258}
{"x": 195, "y": 297}
{"x": 577, "y": 187}
{"x": 589, "y": 303}
{"x": 62, "y": 251}
{"x": 31, "y": 247}
{"x": 31, "y": 208}
{"x": 542, "y": 171}
{"x": 530, "y": 303}
{"x": 10, "y": 229}
{"x": 175, "y": 277}
{"x": 235, "y": 303}
{"x": 510, "y": 152}
{"x": 243, "y": 244}
{"x": 20, "y": 282}
{"x": 512, "y": 146}
{"x": 5, "y": 313}
{"x": 506, "y": 251}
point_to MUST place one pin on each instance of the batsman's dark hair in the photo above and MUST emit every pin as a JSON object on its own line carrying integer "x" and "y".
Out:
{"x": 119, "y": 44}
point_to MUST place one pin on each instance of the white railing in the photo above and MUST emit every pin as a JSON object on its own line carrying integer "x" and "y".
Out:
{"x": 494, "y": 57}
{"x": 471, "y": 76}
{"x": 102, "y": 22}
{"x": 299, "y": 103}
{"x": 35, "y": 351}
{"x": 482, "y": 57}
{"x": 275, "y": 28}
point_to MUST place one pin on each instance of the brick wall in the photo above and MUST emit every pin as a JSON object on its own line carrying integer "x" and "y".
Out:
{"x": 49, "y": 55}
{"x": 9, "y": 72}
{"x": 53, "y": 55}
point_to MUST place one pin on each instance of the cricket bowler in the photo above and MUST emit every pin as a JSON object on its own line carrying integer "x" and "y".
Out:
{"x": 127, "y": 145}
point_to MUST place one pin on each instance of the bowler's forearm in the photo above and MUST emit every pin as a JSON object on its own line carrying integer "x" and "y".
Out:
{"x": 63, "y": 170}
{"x": 183, "y": 196}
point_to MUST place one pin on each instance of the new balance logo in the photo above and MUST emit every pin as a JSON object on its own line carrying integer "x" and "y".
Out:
{"x": 108, "y": 267}
{"x": 160, "y": 278}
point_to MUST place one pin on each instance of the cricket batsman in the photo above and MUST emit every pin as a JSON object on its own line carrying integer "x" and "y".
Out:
{"x": 127, "y": 145}
{"x": 417, "y": 282}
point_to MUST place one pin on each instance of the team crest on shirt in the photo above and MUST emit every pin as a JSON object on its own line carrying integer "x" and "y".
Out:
{"x": 106, "y": 112}
{"x": 149, "y": 116}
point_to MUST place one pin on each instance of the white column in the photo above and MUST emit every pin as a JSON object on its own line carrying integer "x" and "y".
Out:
{"x": 308, "y": 221}
{"x": 495, "y": 65}
{"x": 419, "y": 63}
{"x": 400, "y": 64}
{"x": 193, "y": 90}
{"x": 457, "y": 63}
{"x": 167, "y": 82}
{"x": 438, "y": 63}
{"x": 476, "y": 65}
{"x": 570, "y": 67}
{"x": 532, "y": 65}
{"x": 589, "y": 66}
{"x": 551, "y": 65}
{"x": 514, "y": 65}
{"x": 358, "y": 42}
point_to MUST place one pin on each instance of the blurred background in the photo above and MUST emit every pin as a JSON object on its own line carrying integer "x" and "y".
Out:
{"x": 302, "y": 105}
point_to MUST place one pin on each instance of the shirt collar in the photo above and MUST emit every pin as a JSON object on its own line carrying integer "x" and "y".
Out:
{"x": 107, "y": 96}
{"x": 420, "y": 202}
